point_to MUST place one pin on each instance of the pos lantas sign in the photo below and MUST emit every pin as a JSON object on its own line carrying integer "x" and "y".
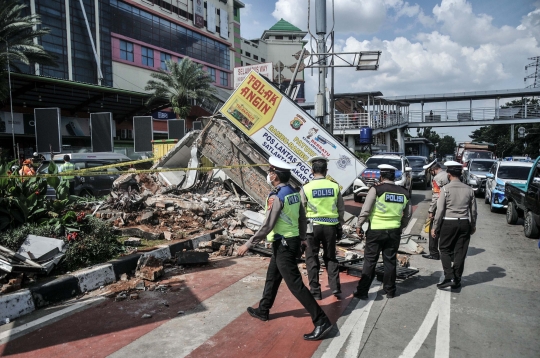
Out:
{"x": 283, "y": 129}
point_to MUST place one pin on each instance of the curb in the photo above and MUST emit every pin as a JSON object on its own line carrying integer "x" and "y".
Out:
{"x": 22, "y": 302}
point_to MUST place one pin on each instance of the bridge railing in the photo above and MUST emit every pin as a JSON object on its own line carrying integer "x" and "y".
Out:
{"x": 377, "y": 120}
{"x": 479, "y": 113}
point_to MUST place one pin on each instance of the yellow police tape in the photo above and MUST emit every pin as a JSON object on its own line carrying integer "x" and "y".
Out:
{"x": 87, "y": 173}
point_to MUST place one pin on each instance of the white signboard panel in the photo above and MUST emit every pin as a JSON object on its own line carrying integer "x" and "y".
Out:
{"x": 210, "y": 17}
{"x": 282, "y": 128}
{"x": 224, "y": 23}
{"x": 240, "y": 73}
{"x": 5, "y": 123}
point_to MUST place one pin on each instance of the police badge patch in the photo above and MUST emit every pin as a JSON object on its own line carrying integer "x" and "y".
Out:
{"x": 343, "y": 162}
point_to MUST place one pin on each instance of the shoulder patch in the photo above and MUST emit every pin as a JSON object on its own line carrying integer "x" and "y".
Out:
{"x": 394, "y": 198}
{"x": 270, "y": 203}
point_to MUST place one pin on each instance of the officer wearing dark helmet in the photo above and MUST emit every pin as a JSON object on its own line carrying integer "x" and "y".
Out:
{"x": 285, "y": 227}
{"x": 388, "y": 210}
{"x": 438, "y": 180}
{"x": 454, "y": 222}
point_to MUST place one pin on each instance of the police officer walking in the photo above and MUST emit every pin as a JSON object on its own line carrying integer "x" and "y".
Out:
{"x": 285, "y": 227}
{"x": 324, "y": 208}
{"x": 456, "y": 220}
{"x": 388, "y": 210}
{"x": 68, "y": 167}
{"x": 439, "y": 180}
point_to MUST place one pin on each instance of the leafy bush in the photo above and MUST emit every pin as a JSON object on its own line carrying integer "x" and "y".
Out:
{"x": 95, "y": 243}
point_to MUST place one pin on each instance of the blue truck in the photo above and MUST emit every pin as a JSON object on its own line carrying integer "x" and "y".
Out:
{"x": 524, "y": 201}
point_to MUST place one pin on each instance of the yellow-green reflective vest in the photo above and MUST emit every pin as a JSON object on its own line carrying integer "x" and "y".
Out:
{"x": 389, "y": 206}
{"x": 67, "y": 167}
{"x": 321, "y": 207}
{"x": 287, "y": 224}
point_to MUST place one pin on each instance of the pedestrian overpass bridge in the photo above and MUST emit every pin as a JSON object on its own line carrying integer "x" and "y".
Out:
{"x": 387, "y": 114}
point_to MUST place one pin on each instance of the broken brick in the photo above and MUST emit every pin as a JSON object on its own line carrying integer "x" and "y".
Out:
{"x": 149, "y": 268}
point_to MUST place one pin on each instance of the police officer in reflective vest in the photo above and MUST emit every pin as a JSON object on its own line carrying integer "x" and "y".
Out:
{"x": 324, "y": 207}
{"x": 68, "y": 167}
{"x": 456, "y": 221}
{"x": 438, "y": 180}
{"x": 388, "y": 210}
{"x": 285, "y": 227}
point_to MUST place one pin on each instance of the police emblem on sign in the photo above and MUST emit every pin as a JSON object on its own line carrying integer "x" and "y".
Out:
{"x": 343, "y": 162}
{"x": 394, "y": 198}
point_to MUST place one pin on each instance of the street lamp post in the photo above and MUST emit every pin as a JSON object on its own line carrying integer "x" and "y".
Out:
{"x": 11, "y": 103}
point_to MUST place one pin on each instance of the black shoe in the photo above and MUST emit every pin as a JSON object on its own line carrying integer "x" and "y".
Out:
{"x": 319, "y": 332}
{"x": 390, "y": 294}
{"x": 336, "y": 292}
{"x": 456, "y": 285}
{"x": 431, "y": 257}
{"x": 256, "y": 313}
{"x": 446, "y": 283}
{"x": 362, "y": 296}
{"x": 316, "y": 295}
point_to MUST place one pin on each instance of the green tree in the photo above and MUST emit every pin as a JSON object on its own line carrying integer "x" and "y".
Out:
{"x": 500, "y": 135}
{"x": 179, "y": 84}
{"x": 447, "y": 145}
{"x": 17, "y": 45}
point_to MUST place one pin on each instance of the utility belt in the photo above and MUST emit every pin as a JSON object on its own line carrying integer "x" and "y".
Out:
{"x": 311, "y": 222}
{"x": 459, "y": 219}
{"x": 280, "y": 239}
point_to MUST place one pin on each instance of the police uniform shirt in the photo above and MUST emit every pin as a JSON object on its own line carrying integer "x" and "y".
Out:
{"x": 272, "y": 215}
{"x": 439, "y": 180}
{"x": 369, "y": 202}
{"x": 456, "y": 201}
{"x": 340, "y": 203}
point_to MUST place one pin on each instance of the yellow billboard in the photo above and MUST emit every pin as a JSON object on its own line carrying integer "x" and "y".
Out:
{"x": 253, "y": 104}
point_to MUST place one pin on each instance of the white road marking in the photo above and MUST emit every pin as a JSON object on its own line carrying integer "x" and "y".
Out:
{"x": 410, "y": 226}
{"x": 353, "y": 327}
{"x": 440, "y": 307}
{"x": 24, "y": 327}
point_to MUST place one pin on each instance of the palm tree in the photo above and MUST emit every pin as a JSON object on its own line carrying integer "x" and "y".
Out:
{"x": 180, "y": 83}
{"x": 17, "y": 34}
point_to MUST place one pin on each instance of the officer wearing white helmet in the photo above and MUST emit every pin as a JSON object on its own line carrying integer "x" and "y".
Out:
{"x": 285, "y": 227}
{"x": 324, "y": 207}
{"x": 454, "y": 222}
{"x": 438, "y": 180}
{"x": 388, "y": 209}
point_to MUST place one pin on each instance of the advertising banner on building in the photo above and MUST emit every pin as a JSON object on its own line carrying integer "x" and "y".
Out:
{"x": 210, "y": 17}
{"x": 5, "y": 123}
{"x": 224, "y": 24}
{"x": 198, "y": 12}
{"x": 240, "y": 73}
{"x": 282, "y": 128}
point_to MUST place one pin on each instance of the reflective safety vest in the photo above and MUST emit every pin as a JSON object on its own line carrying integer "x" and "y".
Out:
{"x": 287, "y": 224}
{"x": 389, "y": 206}
{"x": 321, "y": 207}
{"x": 67, "y": 167}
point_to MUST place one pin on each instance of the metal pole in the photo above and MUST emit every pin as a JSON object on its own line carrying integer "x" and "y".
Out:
{"x": 512, "y": 133}
{"x": 320, "y": 26}
{"x": 100, "y": 75}
{"x": 11, "y": 102}
{"x": 332, "y": 102}
{"x": 293, "y": 78}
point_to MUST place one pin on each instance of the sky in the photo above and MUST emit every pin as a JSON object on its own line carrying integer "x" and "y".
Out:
{"x": 427, "y": 46}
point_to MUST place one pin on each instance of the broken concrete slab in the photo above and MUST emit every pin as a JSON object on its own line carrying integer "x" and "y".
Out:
{"x": 40, "y": 248}
{"x": 133, "y": 241}
{"x": 252, "y": 220}
{"x": 141, "y": 231}
{"x": 149, "y": 268}
{"x": 192, "y": 257}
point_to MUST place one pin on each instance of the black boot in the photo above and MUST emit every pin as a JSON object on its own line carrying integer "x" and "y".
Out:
{"x": 457, "y": 284}
{"x": 319, "y": 332}
{"x": 360, "y": 295}
{"x": 256, "y": 313}
{"x": 431, "y": 257}
{"x": 447, "y": 282}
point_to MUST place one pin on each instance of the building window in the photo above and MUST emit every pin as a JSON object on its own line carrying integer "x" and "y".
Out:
{"x": 256, "y": 57}
{"x": 241, "y": 63}
{"x": 235, "y": 12}
{"x": 126, "y": 50}
{"x": 147, "y": 55}
{"x": 164, "y": 57}
{"x": 248, "y": 64}
{"x": 212, "y": 72}
{"x": 292, "y": 37}
{"x": 279, "y": 37}
{"x": 248, "y": 54}
{"x": 263, "y": 60}
{"x": 224, "y": 76}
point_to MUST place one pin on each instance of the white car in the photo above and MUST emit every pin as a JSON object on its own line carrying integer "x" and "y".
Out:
{"x": 371, "y": 174}
{"x": 474, "y": 174}
{"x": 500, "y": 174}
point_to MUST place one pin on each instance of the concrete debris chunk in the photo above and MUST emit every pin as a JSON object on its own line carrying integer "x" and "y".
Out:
{"x": 146, "y": 315}
{"x": 142, "y": 232}
{"x": 133, "y": 241}
{"x": 192, "y": 257}
{"x": 149, "y": 268}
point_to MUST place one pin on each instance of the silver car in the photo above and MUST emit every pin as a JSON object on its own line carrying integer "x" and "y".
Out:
{"x": 474, "y": 174}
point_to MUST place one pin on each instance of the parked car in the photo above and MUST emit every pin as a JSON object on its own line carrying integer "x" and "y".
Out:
{"x": 90, "y": 185}
{"x": 474, "y": 174}
{"x": 500, "y": 174}
{"x": 419, "y": 175}
{"x": 371, "y": 174}
{"x": 524, "y": 201}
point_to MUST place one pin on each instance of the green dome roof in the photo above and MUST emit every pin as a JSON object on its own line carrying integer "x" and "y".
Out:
{"x": 283, "y": 25}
